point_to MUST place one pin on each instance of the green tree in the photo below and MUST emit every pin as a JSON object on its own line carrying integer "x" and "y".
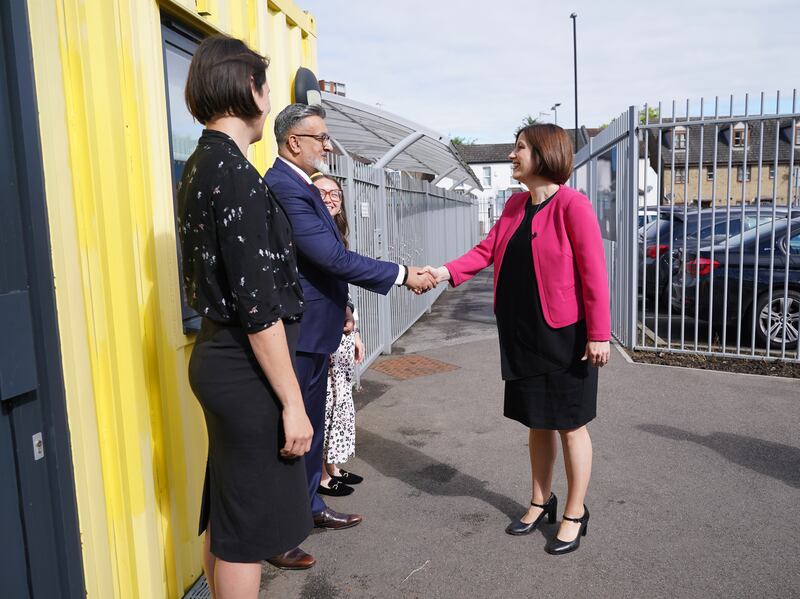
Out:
{"x": 459, "y": 140}
{"x": 528, "y": 120}
{"x": 652, "y": 115}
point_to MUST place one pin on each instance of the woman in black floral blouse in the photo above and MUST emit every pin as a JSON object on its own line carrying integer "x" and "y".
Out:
{"x": 240, "y": 273}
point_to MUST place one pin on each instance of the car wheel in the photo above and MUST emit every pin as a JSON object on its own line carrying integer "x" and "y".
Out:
{"x": 778, "y": 315}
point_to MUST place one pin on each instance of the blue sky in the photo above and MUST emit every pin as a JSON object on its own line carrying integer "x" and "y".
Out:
{"x": 476, "y": 68}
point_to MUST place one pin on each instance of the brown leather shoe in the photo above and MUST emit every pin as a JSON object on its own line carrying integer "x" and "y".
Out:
{"x": 294, "y": 559}
{"x": 333, "y": 520}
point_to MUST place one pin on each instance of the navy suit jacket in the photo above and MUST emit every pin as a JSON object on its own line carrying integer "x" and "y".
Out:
{"x": 325, "y": 265}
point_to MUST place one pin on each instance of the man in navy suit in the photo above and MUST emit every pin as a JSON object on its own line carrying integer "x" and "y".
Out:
{"x": 326, "y": 267}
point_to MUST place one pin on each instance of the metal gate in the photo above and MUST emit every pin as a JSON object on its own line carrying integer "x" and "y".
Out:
{"x": 701, "y": 216}
{"x": 395, "y": 217}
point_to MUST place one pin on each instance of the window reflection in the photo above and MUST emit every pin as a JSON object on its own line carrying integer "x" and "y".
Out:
{"x": 179, "y": 46}
{"x": 184, "y": 130}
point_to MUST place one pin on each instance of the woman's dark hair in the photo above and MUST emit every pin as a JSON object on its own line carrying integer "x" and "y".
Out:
{"x": 219, "y": 79}
{"x": 340, "y": 219}
{"x": 551, "y": 151}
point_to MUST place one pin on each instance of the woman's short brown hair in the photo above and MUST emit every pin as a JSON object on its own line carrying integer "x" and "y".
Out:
{"x": 219, "y": 79}
{"x": 551, "y": 151}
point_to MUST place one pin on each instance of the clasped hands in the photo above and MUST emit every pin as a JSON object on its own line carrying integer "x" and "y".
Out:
{"x": 422, "y": 279}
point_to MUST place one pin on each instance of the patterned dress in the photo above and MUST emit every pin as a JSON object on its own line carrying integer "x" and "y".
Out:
{"x": 340, "y": 413}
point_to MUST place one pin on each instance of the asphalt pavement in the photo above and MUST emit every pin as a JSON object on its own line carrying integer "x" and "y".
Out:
{"x": 695, "y": 489}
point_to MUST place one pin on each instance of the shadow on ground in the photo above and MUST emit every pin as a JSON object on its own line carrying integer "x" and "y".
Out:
{"x": 781, "y": 462}
{"x": 426, "y": 474}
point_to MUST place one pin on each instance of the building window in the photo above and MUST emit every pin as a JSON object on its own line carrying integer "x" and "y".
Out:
{"x": 771, "y": 171}
{"x": 487, "y": 176}
{"x": 741, "y": 171}
{"x": 680, "y": 175}
{"x": 739, "y": 135}
{"x": 710, "y": 173}
{"x": 797, "y": 134}
{"x": 179, "y": 47}
{"x": 680, "y": 138}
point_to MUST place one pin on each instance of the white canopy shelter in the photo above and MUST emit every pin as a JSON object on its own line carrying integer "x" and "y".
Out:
{"x": 390, "y": 141}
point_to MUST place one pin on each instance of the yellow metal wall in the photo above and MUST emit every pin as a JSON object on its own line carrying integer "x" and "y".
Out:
{"x": 138, "y": 438}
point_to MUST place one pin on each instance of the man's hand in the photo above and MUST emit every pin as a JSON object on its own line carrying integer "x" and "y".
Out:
{"x": 441, "y": 274}
{"x": 359, "y": 355}
{"x": 597, "y": 352}
{"x": 297, "y": 430}
{"x": 349, "y": 321}
{"x": 418, "y": 280}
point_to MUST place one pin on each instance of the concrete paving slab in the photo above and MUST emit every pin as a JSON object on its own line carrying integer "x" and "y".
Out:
{"x": 695, "y": 488}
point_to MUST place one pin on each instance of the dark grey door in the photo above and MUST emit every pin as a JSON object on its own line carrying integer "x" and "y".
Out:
{"x": 13, "y": 289}
{"x": 39, "y": 540}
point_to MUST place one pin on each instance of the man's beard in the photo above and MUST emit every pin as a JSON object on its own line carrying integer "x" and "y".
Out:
{"x": 321, "y": 166}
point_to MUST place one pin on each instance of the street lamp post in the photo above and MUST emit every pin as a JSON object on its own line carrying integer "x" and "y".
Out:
{"x": 574, "y": 17}
{"x": 554, "y": 108}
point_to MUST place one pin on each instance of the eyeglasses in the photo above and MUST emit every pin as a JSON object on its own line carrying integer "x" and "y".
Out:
{"x": 335, "y": 195}
{"x": 323, "y": 138}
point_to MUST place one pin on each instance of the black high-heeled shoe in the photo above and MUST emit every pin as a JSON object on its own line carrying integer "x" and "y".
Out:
{"x": 558, "y": 547}
{"x": 549, "y": 509}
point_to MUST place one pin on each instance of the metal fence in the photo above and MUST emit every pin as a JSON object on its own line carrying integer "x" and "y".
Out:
{"x": 395, "y": 217}
{"x": 710, "y": 262}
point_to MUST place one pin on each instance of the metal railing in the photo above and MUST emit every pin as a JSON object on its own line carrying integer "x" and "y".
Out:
{"x": 712, "y": 266}
{"x": 395, "y": 217}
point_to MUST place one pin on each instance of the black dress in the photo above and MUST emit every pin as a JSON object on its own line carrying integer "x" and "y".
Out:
{"x": 548, "y": 386}
{"x": 240, "y": 272}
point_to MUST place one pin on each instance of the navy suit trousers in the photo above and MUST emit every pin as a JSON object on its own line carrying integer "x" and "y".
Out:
{"x": 312, "y": 374}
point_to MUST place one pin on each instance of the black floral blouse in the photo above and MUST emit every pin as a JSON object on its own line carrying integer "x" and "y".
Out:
{"x": 239, "y": 263}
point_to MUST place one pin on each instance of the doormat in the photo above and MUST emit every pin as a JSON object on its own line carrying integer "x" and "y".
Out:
{"x": 410, "y": 367}
{"x": 199, "y": 590}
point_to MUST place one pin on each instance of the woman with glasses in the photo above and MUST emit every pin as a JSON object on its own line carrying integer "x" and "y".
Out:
{"x": 340, "y": 415}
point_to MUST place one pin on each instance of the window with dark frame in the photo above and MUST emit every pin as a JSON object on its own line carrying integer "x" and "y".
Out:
{"x": 179, "y": 45}
{"x": 771, "y": 171}
{"x": 709, "y": 173}
{"x": 797, "y": 134}
{"x": 680, "y": 175}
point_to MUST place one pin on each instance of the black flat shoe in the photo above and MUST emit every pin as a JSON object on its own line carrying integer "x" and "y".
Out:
{"x": 336, "y": 489}
{"x": 558, "y": 547}
{"x": 548, "y": 509}
{"x": 348, "y": 477}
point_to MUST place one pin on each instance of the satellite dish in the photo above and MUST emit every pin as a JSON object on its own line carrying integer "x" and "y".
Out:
{"x": 306, "y": 87}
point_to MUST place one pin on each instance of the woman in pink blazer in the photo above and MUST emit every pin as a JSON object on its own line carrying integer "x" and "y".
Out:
{"x": 553, "y": 318}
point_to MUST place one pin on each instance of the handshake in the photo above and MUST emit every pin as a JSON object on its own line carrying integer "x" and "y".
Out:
{"x": 422, "y": 279}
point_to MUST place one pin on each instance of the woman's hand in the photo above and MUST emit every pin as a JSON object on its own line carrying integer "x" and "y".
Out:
{"x": 441, "y": 274}
{"x": 359, "y": 354}
{"x": 297, "y": 430}
{"x": 349, "y": 321}
{"x": 597, "y": 352}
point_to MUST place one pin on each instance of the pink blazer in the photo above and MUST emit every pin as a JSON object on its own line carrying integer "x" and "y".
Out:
{"x": 567, "y": 257}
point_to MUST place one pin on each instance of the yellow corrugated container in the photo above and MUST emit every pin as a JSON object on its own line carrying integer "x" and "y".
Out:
{"x": 137, "y": 433}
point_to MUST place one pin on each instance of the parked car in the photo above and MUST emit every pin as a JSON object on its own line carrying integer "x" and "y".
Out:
{"x": 747, "y": 264}
{"x": 665, "y": 237}
{"x": 647, "y": 216}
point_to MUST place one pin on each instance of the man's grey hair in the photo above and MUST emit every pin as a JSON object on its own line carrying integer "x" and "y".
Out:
{"x": 288, "y": 118}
